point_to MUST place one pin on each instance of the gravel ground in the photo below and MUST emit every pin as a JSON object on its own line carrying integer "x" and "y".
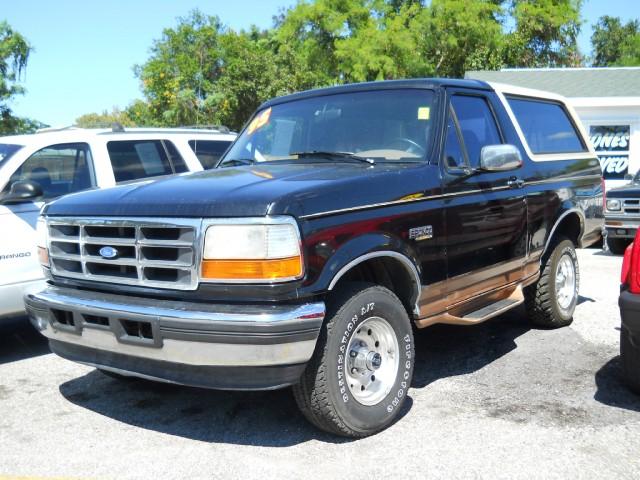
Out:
{"x": 497, "y": 400}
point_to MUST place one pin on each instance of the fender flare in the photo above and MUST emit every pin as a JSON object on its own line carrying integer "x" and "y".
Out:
{"x": 404, "y": 261}
{"x": 559, "y": 220}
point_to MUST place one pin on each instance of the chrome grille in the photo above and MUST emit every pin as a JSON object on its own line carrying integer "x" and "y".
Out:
{"x": 157, "y": 253}
{"x": 631, "y": 206}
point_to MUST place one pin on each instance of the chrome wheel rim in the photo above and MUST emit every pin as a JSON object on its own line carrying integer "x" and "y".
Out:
{"x": 373, "y": 358}
{"x": 565, "y": 282}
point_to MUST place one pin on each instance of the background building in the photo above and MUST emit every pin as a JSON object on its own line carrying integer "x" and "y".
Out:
{"x": 607, "y": 101}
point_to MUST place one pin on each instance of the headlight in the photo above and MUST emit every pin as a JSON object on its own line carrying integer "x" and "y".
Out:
{"x": 41, "y": 241}
{"x": 252, "y": 250}
{"x": 613, "y": 204}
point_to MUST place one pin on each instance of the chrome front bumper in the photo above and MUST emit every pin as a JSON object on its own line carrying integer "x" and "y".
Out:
{"x": 211, "y": 345}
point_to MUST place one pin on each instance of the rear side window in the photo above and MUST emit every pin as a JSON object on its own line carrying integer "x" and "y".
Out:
{"x": 176, "y": 160}
{"x": 546, "y": 126}
{"x": 209, "y": 151}
{"x": 134, "y": 159}
{"x": 477, "y": 125}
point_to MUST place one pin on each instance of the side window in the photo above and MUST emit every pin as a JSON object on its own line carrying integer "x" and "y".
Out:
{"x": 546, "y": 126}
{"x": 453, "y": 156}
{"x": 477, "y": 125}
{"x": 134, "y": 159}
{"x": 58, "y": 169}
{"x": 209, "y": 151}
{"x": 176, "y": 159}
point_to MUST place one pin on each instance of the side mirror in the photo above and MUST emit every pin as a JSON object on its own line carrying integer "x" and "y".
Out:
{"x": 500, "y": 158}
{"x": 22, "y": 191}
{"x": 628, "y": 177}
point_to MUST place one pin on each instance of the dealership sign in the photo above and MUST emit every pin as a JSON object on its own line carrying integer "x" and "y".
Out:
{"x": 611, "y": 143}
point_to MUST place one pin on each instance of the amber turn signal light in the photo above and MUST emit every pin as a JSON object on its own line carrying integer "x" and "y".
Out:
{"x": 272, "y": 269}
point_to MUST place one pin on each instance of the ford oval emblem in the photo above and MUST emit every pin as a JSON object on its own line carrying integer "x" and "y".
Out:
{"x": 108, "y": 252}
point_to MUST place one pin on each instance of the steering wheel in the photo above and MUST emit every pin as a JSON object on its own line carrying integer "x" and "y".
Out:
{"x": 413, "y": 147}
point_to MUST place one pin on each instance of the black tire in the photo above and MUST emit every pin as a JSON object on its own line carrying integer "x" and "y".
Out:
{"x": 324, "y": 395}
{"x": 541, "y": 298}
{"x": 630, "y": 358}
{"x": 617, "y": 246}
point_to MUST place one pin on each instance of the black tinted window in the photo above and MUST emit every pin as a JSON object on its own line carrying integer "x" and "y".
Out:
{"x": 58, "y": 169}
{"x": 453, "y": 155}
{"x": 178, "y": 163}
{"x": 477, "y": 125}
{"x": 546, "y": 126}
{"x": 133, "y": 159}
{"x": 209, "y": 151}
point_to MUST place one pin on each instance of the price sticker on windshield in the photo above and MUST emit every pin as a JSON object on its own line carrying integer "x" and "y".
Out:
{"x": 423, "y": 113}
{"x": 259, "y": 121}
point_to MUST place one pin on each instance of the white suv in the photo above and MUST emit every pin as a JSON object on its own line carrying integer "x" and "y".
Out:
{"x": 37, "y": 168}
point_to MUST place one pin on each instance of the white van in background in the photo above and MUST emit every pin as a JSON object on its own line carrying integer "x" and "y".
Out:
{"x": 40, "y": 167}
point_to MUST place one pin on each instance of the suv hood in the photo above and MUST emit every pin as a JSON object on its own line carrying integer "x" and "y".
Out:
{"x": 631, "y": 190}
{"x": 257, "y": 190}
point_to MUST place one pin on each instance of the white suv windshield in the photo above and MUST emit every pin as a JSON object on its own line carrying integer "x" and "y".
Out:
{"x": 379, "y": 125}
{"x": 7, "y": 150}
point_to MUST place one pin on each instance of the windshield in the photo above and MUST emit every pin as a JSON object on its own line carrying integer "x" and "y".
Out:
{"x": 6, "y": 150}
{"x": 380, "y": 125}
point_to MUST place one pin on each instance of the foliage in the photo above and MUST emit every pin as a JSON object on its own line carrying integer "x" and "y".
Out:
{"x": 105, "y": 119}
{"x": 201, "y": 72}
{"x": 615, "y": 44}
{"x": 14, "y": 54}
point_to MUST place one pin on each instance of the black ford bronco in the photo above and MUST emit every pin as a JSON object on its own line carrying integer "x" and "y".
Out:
{"x": 339, "y": 220}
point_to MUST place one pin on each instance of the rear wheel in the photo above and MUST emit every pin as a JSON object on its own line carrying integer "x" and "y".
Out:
{"x": 617, "y": 246}
{"x": 361, "y": 370}
{"x": 551, "y": 301}
{"x": 630, "y": 357}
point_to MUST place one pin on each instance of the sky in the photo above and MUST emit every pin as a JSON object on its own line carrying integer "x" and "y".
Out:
{"x": 84, "y": 50}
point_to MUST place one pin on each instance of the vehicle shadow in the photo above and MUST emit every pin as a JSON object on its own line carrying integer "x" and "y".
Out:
{"x": 451, "y": 350}
{"x": 272, "y": 418}
{"x": 269, "y": 419}
{"x": 611, "y": 389}
{"x": 19, "y": 341}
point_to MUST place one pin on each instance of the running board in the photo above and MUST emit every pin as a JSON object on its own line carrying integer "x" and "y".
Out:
{"x": 514, "y": 298}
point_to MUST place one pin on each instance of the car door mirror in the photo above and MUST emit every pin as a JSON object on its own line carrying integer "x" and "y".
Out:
{"x": 500, "y": 158}
{"x": 628, "y": 177}
{"x": 22, "y": 191}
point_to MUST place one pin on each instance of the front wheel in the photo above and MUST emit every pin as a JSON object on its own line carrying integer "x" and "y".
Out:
{"x": 360, "y": 373}
{"x": 551, "y": 301}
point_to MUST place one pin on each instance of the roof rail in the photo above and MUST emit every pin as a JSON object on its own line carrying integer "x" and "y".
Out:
{"x": 56, "y": 129}
{"x": 220, "y": 128}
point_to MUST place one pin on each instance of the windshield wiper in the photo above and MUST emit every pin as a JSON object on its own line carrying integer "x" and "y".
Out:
{"x": 333, "y": 155}
{"x": 238, "y": 161}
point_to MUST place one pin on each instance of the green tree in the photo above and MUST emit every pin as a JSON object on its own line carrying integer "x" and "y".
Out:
{"x": 615, "y": 43}
{"x": 105, "y": 119}
{"x": 545, "y": 34}
{"x": 184, "y": 65}
{"x": 14, "y": 54}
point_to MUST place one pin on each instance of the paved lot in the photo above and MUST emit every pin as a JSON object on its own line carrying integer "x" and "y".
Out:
{"x": 498, "y": 400}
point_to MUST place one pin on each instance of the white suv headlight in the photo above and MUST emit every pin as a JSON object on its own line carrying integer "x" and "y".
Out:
{"x": 252, "y": 250}
{"x": 41, "y": 241}
{"x": 613, "y": 204}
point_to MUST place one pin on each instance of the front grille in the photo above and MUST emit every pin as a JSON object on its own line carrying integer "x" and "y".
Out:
{"x": 148, "y": 252}
{"x": 631, "y": 206}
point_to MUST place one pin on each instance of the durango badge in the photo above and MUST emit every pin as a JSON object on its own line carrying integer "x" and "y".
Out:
{"x": 108, "y": 252}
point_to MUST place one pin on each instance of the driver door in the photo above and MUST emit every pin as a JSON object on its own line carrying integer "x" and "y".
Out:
{"x": 59, "y": 170}
{"x": 486, "y": 212}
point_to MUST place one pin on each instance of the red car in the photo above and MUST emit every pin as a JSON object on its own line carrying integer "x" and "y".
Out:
{"x": 629, "y": 302}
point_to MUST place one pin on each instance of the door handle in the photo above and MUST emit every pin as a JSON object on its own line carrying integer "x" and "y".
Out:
{"x": 515, "y": 182}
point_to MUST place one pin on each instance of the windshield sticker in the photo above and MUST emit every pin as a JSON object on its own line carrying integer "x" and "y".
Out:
{"x": 423, "y": 113}
{"x": 259, "y": 121}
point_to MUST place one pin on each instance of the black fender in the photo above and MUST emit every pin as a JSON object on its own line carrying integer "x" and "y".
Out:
{"x": 366, "y": 247}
